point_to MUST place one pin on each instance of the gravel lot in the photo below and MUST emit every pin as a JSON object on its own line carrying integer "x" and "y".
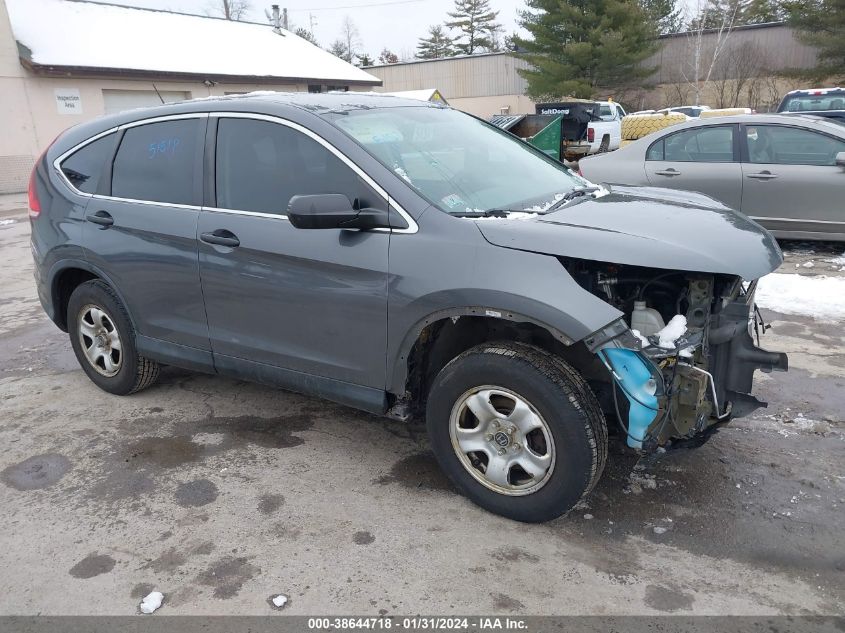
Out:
{"x": 222, "y": 494}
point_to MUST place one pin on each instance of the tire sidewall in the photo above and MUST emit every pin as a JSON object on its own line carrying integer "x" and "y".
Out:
{"x": 565, "y": 416}
{"x": 98, "y": 294}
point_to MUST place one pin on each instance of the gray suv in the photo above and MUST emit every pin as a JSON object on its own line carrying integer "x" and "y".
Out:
{"x": 407, "y": 260}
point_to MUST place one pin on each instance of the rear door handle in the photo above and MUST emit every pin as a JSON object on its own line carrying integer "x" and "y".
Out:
{"x": 668, "y": 172}
{"x": 763, "y": 175}
{"x": 221, "y": 237}
{"x": 103, "y": 218}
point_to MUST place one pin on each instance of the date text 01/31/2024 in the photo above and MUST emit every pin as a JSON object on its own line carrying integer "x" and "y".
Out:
{"x": 431, "y": 623}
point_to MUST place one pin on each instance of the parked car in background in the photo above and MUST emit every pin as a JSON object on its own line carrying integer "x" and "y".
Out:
{"x": 786, "y": 172}
{"x": 826, "y": 102}
{"x": 408, "y": 260}
{"x": 690, "y": 111}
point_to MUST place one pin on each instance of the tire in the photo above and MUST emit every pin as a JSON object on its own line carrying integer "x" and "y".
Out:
{"x": 604, "y": 146}
{"x": 103, "y": 340}
{"x": 556, "y": 397}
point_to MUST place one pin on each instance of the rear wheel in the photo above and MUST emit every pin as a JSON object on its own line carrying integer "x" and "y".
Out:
{"x": 517, "y": 430}
{"x": 103, "y": 340}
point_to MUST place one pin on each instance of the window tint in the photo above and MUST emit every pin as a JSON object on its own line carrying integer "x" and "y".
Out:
{"x": 700, "y": 145}
{"x": 620, "y": 111}
{"x": 156, "y": 162}
{"x": 770, "y": 144}
{"x": 261, "y": 165}
{"x": 84, "y": 167}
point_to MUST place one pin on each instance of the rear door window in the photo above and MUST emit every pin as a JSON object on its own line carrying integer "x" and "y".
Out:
{"x": 84, "y": 167}
{"x": 713, "y": 144}
{"x": 782, "y": 145}
{"x": 157, "y": 162}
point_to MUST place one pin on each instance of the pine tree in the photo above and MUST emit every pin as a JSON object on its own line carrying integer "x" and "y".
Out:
{"x": 667, "y": 14}
{"x": 476, "y": 23}
{"x": 438, "y": 44}
{"x": 821, "y": 23}
{"x": 762, "y": 11}
{"x": 338, "y": 49}
{"x": 365, "y": 60}
{"x": 579, "y": 46}
{"x": 306, "y": 35}
{"x": 719, "y": 14}
{"x": 715, "y": 13}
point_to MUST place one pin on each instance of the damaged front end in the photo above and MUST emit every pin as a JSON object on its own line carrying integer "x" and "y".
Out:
{"x": 692, "y": 366}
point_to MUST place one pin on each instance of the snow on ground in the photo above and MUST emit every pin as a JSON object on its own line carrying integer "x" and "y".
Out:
{"x": 819, "y": 297}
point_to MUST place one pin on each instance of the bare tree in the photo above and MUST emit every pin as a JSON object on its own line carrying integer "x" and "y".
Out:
{"x": 349, "y": 35}
{"x": 235, "y": 10}
{"x": 698, "y": 67}
{"x": 739, "y": 69}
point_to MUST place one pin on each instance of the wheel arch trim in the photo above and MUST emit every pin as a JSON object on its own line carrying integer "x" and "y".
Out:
{"x": 398, "y": 371}
{"x": 66, "y": 264}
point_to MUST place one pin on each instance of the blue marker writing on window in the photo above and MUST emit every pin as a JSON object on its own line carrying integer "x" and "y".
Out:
{"x": 163, "y": 147}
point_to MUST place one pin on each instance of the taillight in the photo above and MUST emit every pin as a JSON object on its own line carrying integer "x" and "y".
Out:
{"x": 34, "y": 202}
{"x": 591, "y": 134}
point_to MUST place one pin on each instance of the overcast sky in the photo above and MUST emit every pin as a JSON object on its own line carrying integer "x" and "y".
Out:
{"x": 395, "y": 24}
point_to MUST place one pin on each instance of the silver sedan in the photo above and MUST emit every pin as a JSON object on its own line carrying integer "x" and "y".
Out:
{"x": 785, "y": 171}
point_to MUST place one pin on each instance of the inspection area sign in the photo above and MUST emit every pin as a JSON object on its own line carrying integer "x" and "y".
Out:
{"x": 68, "y": 101}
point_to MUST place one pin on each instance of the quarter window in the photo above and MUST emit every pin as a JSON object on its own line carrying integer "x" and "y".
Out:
{"x": 700, "y": 145}
{"x": 156, "y": 162}
{"x": 84, "y": 167}
{"x": 261, "y": 165}
{"x": 781, "y": 145}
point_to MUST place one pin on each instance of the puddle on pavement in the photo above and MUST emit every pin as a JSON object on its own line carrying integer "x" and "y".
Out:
{"x": 228, "y": 575}
{"x": 196, "y": 493}
{"x": 39, "y": 471}
{"x": 92, "y": 565}
{"x": 417, "y": 471}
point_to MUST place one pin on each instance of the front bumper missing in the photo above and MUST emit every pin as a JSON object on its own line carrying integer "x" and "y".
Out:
{"x": 672, "y": 396}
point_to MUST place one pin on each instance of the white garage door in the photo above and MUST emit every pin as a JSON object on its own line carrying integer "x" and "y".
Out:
{"x": 120, "y": 100}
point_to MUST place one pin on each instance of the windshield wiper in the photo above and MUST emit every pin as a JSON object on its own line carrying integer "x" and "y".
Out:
{"x": 571, "y": 195}
{"x": 489, "y": 213}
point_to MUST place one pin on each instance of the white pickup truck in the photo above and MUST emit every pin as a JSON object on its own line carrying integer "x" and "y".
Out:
{"x": 588, "y": 127}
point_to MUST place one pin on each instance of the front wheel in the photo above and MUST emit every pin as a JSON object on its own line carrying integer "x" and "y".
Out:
{"x": 517, "y": 430}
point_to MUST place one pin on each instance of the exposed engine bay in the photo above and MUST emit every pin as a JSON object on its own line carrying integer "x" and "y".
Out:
{"x": 684, "y": 357}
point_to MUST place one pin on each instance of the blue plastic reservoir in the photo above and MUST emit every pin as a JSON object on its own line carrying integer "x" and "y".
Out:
{"x": 635, "y": 379}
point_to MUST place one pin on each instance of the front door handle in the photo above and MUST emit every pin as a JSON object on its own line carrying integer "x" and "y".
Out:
{"x": 221, "y": 237}
{"x": 103, "y": 218}
{"x": 668, "y": 172}
{"x": 763, "y": 175}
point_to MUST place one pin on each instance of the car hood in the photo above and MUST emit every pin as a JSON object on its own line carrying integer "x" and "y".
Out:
{"x": 645, "y": 226}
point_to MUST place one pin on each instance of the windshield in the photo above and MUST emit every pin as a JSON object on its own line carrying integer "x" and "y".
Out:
{"x": 459, "y": 163}
{"x": 814, "y": 103}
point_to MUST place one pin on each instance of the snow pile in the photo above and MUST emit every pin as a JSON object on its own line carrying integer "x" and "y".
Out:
{"x": 672, "y": 332}
{"x": 822, "y": 298}
{"x": 151, "y": 602}
{"x": 280, "y": 600}
{"x": 839, "y": 261}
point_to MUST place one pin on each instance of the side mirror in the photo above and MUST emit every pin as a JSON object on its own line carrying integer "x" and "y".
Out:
{"x": 840, "y": 159}
{"x": 333, "y": 211}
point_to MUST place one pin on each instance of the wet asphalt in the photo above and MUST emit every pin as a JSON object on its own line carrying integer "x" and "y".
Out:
{"x": 220, "y": 493}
